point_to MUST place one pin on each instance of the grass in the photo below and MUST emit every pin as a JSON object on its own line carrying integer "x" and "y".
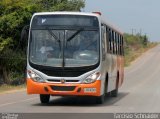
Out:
{"x": 131, "y": 55}
{"x": 8, "y": 88}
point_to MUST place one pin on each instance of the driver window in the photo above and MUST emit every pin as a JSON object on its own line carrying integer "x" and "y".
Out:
{"x": 103, "y": 41}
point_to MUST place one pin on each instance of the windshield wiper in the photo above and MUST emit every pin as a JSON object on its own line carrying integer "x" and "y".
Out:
{"x": 75, "y": 34}
{"x": 56, "y": 38}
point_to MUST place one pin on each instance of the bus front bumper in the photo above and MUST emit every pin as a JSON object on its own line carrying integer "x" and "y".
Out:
{"x": 93, "y": 89}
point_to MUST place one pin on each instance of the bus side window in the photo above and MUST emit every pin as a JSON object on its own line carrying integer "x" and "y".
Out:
{"x": 107, "y": 40}
{"x": 122, "y": 45}
{"x": 110, "y": 42}
{"x": 117, "y": 44}
{"x": 103, "y": 32}
{"x": 113, "y": 44}
{"x": 116, "y": 50}
{"x": 119, "y": 53}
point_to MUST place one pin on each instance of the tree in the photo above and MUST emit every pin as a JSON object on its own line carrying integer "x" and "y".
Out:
{"x": 62, "y": 5}
{"x": 145, "y": 40}
{"x": 14, "y": 15}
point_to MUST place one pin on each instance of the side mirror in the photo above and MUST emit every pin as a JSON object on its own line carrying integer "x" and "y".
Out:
{"x": 24, "y": 37}
{"x": 24, "y": 33}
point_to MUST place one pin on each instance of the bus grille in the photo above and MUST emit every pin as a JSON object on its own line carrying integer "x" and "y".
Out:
{"x": 63, "y": 88}
{"x": 66, "y": 73}
{"x": 58, "y": 81}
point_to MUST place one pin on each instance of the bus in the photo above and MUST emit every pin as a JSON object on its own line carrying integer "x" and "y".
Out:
{"x": 74, "y": 54}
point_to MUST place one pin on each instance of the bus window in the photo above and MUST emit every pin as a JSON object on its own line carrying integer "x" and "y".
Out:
{"x": 116, "y": 50}
{"x": 103, "y": 41}
{"x": 113, "y": 46}
{"x": 107, "y": 39}
{"x": 110, "y": 41}
{"x": 122, "y": 45}
{"x": 117, "y": 37}
{"x": 120, "y": 49}
{"x": 119, "y": 44}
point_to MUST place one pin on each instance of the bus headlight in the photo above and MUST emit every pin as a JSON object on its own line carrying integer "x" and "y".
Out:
{"x": 35, "y": 77}
{"x": 92, "y": 78}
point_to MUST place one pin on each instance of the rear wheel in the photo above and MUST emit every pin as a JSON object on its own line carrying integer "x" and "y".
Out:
{"x": 114, "y": 93}
{"x": 100, "y": 99}
{"x": 44, "y": 98}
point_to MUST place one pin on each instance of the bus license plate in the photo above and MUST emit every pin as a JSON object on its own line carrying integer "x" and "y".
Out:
{"x": 93, "y": 90}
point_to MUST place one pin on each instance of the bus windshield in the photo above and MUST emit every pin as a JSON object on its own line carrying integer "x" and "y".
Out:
{"x": 64, "y": 46}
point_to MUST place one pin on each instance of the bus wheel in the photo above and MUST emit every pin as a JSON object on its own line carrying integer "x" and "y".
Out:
{"x": 100, "y": 99}
{"x": 44, "y": 98}
{"x": 114, "y": 93}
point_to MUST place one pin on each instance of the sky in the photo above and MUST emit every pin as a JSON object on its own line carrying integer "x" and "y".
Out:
{"x": 137, "y": 16}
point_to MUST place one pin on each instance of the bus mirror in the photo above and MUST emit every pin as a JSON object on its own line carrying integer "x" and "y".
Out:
{"x": 24, "y": 34}
{"x": 24, "y": 37}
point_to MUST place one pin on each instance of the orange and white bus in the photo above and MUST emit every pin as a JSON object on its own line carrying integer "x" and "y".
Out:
{"x": 73, "y": 54}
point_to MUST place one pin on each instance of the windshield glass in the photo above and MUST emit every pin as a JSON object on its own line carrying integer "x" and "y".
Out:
{"x": 81, "y": 48}
{"x": 71, "y": 44}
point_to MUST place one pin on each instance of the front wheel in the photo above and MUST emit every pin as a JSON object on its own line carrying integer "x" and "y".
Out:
{"x": 44, "y": 98}
{"x": 100, "y": 99}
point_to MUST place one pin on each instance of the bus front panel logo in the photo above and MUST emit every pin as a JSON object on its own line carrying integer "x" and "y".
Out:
{"x": 63, "y": 81}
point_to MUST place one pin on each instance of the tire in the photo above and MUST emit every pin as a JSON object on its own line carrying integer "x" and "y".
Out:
{"x": 44, "y": 98}
{"x": 100, "y": 99}
{"x": 114, "y": 93}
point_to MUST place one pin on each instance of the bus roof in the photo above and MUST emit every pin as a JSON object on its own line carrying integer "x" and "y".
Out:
{"x": 83, "y": 13}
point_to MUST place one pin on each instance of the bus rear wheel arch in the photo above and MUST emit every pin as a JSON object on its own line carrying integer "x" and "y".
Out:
{"x": 114, "y": 93}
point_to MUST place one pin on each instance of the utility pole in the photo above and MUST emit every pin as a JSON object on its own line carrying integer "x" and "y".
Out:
{"x": 132, "y": 31}
{"x": 135, "y": 31}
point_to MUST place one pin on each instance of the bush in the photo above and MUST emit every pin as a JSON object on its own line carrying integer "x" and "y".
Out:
{"x": 16, "y": 78}
{"x": 14, "y": 15}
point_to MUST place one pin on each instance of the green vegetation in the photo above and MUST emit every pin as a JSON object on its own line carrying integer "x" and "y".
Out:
{"x": 134, "y": 46}
{"x": 14, "y": 15}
